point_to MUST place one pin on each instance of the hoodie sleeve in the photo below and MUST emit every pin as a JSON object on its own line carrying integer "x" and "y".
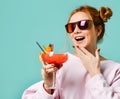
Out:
{"x": 36, "y": 91}
{"x": 100, "y": 89}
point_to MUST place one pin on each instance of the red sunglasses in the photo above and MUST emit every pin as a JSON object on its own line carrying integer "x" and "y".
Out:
{"x": 83, "y": 25}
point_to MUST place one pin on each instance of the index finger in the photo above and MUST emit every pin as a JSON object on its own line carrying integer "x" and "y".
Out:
{"x": 79, "y": 51}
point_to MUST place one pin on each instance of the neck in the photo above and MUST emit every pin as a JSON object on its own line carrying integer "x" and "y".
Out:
{"x": 102, "y": 58}
{"x": 91, "y": 50}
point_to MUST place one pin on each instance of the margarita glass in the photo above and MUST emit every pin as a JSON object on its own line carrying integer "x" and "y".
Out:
{"x": 57, "y": 60}
{"x": 50, "y": 58}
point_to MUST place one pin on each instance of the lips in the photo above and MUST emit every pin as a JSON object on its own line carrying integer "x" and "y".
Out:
{"x": 79, "y": 38}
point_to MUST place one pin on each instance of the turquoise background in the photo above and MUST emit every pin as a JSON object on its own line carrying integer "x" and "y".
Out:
{"x": 23, "y": 22}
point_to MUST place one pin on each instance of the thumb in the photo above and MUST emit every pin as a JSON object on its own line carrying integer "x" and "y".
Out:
{"x": 97, "y": 53}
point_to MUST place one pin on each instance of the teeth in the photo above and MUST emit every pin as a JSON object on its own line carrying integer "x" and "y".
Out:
{"x": 79, "y": 38}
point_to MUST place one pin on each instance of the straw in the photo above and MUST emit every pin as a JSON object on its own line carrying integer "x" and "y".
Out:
{"x": 40, "y": 47}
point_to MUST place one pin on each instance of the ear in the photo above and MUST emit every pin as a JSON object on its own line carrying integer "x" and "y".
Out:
{"x": 98, "y": 30}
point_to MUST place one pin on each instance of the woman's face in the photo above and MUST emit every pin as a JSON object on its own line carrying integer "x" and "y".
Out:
{"x": 84, "y": 38}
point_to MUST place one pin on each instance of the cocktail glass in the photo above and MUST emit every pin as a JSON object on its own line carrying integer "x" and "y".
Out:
{"x": 57, "y": 60}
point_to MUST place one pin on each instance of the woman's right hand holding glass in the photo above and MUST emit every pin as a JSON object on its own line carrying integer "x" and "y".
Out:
{"x": 47, "y": 74}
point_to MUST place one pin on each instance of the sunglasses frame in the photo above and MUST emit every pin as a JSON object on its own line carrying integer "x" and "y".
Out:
{"x": 78, "y": 23}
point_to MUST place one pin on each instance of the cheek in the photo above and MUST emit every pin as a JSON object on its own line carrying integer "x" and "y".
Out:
{"x": 71, "y": 36}
{"x": 91, "y": 36}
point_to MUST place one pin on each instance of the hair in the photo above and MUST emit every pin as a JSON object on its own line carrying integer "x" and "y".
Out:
{"x": 99, "y": 17}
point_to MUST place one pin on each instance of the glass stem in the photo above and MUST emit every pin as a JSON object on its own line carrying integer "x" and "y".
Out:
{"x": 54, "y": 78}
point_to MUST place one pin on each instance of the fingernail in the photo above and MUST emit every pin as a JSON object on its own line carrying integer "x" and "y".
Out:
{"x": 73, "y": 46}
{"x": 77, "y": 46}
{"x": 98, "y": 49}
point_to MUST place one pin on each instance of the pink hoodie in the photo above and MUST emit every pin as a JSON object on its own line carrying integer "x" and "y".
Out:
{"x": 74, "y": 82}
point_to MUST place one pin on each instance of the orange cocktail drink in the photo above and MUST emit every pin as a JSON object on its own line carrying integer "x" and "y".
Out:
{"x": 49, "y": 57}
{"x": 57, "y": 59}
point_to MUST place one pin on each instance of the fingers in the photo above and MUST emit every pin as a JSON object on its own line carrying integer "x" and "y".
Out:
{"x": 50, "y": 68}
{"x": 97, "y": 53}
{"x": 85, "y": 51}
{"x": 82, "y": 51}
{"x": 79, "y": 51}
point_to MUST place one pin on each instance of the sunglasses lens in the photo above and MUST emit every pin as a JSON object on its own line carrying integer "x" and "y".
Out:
{"x": 70, "y": 27}
{"x": 83, "y": 25}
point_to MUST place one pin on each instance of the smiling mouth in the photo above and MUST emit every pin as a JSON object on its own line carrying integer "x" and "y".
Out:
{"x": 79, "y": 38}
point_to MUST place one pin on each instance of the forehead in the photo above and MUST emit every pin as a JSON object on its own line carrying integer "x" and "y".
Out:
{"x": 80, "y": 16}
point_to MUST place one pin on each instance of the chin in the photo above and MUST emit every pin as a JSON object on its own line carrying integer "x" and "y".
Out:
{"x": 81, "y": 45}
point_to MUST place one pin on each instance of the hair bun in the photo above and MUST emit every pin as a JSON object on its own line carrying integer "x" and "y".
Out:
{"x": 105, "y": 13}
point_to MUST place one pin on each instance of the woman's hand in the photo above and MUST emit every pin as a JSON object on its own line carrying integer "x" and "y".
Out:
{"x": 91, "y": 62}
{"x": 47, "y": 73}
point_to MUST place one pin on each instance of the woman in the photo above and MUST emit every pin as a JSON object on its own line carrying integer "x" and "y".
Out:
{"x": 86, "y": 74}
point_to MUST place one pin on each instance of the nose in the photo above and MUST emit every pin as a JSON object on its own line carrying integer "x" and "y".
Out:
{"x": 77, "y": 30}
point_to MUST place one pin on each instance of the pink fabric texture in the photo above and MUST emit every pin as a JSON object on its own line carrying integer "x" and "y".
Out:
{"x": 74, "y": 82}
